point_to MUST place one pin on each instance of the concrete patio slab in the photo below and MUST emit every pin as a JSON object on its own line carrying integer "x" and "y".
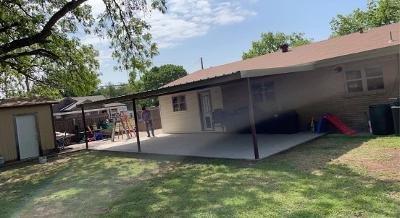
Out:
{"x": 214, "y": 145}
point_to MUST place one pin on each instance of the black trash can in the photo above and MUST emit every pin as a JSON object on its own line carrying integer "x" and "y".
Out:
{"x": 396, "y": 119}
{"x": 381, "y": 119}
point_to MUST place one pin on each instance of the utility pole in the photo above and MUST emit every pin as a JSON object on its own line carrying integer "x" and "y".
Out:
{"x": 201, "y": 61}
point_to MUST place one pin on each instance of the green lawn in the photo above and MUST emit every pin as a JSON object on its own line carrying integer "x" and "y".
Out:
{"x": 332, "y": 176}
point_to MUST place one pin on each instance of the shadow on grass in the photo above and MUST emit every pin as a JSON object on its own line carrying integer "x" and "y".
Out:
{"x": 83, "y": 183}
{"x": 218, "y": 190}
{"x": 300, "y": 182}
{"x": 297, "y": 183}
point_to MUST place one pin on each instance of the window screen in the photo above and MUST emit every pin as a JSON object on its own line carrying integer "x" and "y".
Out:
{"x": 369, "y": 79}
{"x": 179, "y": 103}
{"x": 354, "y": 81}
{"x": 374, "y": 78}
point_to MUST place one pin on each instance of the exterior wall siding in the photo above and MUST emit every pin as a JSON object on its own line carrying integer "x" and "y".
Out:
{"x": 320, "y": 91}
{"x": 311, "y": 94}
{"x": 323, "y": 90}
{"x": 236, "y": 105}
{"x": 189, "y": 120}
{"x": 8, "y": 144}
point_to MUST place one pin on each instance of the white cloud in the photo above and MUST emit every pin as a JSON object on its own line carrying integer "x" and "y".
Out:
{"x": 97, "y": 6}
{"x": 185, "y": 19}
{"x": 94, "y": 40}
{"x": 192, "y": 18}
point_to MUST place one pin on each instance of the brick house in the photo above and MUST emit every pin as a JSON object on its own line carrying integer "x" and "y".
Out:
{"x": 342, "y": 76}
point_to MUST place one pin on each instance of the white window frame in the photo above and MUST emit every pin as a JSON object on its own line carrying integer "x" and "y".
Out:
{"x": 347, "y": 81}
{"x": 374, "y": 77}
{"x": 178, "y": 97}
{"x": 364, "y": 79}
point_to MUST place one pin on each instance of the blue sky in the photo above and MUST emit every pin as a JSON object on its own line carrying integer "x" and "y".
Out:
{"x": 221, "y": 30}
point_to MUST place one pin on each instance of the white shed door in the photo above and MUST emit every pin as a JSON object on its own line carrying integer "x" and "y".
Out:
{"x": 27, "y": 136}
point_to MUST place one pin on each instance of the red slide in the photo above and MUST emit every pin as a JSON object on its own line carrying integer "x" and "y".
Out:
{"x": 339, "y": 124}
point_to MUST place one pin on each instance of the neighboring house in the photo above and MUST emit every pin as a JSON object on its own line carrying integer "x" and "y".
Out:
{"x": 342, "y": 76}
{"x": 69, "y": 104}
{"x": 68, "y": 116}
{"x": 26, "y": 128}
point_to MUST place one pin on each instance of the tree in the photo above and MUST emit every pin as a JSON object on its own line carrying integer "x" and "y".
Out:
{"x": 46, "y": 78}
{"x": 38, "y": 40}
{"x": 271, "y": 42}
{"x": 110, "y": 90}
{"x": 157, "y": 77}
{"x": 378, "y": 13}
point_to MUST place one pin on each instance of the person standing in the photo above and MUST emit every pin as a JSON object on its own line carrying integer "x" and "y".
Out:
{"x": 146, "y": 116}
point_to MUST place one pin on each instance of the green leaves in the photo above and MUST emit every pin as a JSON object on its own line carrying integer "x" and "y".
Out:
{"x": 378, "y": 13}
{"x": 111, "y": 90}
{"x": 37, "y": 41}
{"x": 123, "y": 24}
{"x": 271, "y": 42}
{"x": 157, "y": 77}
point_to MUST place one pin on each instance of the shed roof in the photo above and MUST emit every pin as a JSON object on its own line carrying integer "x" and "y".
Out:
{"x": 375, "y": 38}
{"x": 25, "y": 102}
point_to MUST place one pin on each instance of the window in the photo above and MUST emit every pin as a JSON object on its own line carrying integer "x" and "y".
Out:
{"x": 369, "y": 79}
{"x": 374, "y": 78}
{"x": 263, "y": 91}
{"x": 179, "y": 103}
{"x": 354, "y": 81}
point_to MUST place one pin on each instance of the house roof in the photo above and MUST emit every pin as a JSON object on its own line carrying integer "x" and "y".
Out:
{"x": 104, "y": 107}
{"x": 82, "y": 100}
{"x": 25, "y": 102}
{"x": 375, "y": 38}
{"x": 302, "y": 58}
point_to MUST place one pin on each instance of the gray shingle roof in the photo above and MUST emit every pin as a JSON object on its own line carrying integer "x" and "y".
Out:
{"x": 24, "y": 102}
{"x": 81, "y": 100}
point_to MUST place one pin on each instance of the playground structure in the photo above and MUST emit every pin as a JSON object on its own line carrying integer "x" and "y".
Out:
{"x": 122, "y": 124}
{"x": 336, "y": 122}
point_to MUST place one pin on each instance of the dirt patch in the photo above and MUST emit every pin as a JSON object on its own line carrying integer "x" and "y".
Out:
{"x": 383, "y": 163}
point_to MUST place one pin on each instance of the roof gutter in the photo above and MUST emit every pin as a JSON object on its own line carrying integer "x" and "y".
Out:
{"x": 277, "y": 70}
{"x": 391, "y": 50}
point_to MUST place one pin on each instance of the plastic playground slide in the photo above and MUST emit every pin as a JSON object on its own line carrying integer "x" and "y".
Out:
{"x": 336, "y": 122}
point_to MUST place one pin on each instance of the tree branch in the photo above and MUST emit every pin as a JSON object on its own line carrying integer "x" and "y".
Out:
{"x": 7, "y": 27}
{"x": 46, "y": 31}
{"x": 122, "y": 17}
{"x": 24, "y": 72}
{"x": 41, "y": 52}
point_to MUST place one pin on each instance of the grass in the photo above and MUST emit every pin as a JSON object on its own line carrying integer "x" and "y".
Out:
{"x": 332, "y": 176}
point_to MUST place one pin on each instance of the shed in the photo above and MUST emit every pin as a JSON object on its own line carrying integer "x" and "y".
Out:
{"x": 26, "y": 128}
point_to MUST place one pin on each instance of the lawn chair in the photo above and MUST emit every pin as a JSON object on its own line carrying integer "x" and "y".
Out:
{"x": 61, "y": 142}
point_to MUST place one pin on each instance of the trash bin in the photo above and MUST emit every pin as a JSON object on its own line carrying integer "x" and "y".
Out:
{"x": 381, "y": 119}
{"x": 396, "y": 119}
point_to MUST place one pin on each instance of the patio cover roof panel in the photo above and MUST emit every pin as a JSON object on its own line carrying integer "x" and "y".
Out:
{"x": 170, "y": 90}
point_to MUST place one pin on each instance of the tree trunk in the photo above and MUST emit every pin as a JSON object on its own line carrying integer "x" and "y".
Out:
{"x": 27, "y": 84}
